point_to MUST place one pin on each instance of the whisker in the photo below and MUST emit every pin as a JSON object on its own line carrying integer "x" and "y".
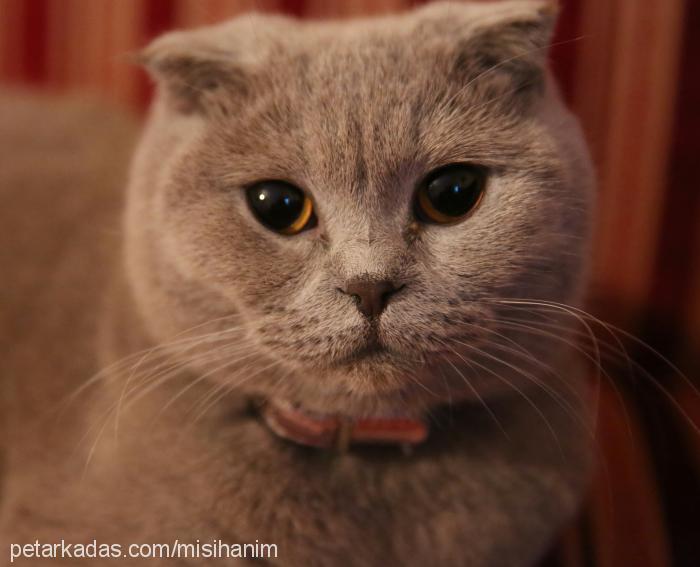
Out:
{"x": 601, "y": 372}
{"x": 195, "y": 382}
{"x": 116, "y": 365}
{"x": 612, "y": 329}
{"x": 553, "y": 394}
{"x": 158, "y": 371}
{"x": 141, "y": 391}
{"x": 471, "y": 387}
{"x": 229, "y": 387}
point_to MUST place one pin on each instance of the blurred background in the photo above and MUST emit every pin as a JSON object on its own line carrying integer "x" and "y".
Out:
{"x": 629, "y": 70}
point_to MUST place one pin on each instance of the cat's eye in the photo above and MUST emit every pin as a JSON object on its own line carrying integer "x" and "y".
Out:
{"x": 450, "y": 193}
{"x": 281, "y": 207}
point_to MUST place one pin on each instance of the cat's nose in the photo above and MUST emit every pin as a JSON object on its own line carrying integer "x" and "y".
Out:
{"x": 371, "y": 295}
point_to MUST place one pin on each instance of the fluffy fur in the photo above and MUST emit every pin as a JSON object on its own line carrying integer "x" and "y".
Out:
{"x": 163, "y": 445}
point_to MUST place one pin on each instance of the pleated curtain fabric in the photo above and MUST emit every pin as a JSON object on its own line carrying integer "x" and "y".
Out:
{"x": 628, "y": 68}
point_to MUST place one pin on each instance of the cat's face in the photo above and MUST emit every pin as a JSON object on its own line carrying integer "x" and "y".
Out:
{"x": 357, "y": 117}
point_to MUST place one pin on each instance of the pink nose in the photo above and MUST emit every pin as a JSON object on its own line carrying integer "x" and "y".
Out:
{"x": 371, "y": 295}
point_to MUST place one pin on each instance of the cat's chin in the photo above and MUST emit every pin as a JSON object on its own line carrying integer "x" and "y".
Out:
{"x": 367, "y": 357}
{"x": 377, "y": 379}
{"x": 380, "y": 382}
{"x": 375, "y": 385}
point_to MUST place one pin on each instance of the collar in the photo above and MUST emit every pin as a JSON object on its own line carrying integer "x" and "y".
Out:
{"x": 336, "y": 432}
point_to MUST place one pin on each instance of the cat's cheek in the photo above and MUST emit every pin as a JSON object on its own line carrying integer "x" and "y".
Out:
{"x": 212, "y": 241}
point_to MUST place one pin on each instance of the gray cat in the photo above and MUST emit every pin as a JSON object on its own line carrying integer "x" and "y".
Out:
{"x": 311, "y": 331}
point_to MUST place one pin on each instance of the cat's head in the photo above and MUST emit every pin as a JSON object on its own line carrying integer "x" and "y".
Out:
{"x": 349, "y": 203}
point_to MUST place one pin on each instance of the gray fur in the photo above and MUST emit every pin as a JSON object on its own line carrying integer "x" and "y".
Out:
{"x": 357, "y": 114}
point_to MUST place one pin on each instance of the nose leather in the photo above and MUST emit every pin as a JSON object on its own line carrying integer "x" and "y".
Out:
{"x": 371, "y": 295}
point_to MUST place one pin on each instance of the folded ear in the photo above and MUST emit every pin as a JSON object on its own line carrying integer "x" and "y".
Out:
{"x": 514, "y": 41}
{"x": 500, "y": 47}
{"x": 195, "y": 77}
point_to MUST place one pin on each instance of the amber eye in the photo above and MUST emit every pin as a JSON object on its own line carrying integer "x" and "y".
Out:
{"x": 281, "y": 207}
{"x": 448, "y": 194}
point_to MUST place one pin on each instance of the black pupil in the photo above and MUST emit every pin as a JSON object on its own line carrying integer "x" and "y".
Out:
{"x": 455, "y": 191}
{"x": 277, "y": 205}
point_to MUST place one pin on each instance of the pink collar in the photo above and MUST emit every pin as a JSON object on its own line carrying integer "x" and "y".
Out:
{"x": 329, "y": 432}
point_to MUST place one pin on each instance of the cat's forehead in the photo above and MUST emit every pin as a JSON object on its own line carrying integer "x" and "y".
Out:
{"x": 347, "y": 124}
{"x": 369, "y": 117}
{"x": 364, "y": 105}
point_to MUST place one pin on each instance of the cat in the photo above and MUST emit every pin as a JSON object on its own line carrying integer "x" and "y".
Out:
{"x": 324, "y": 222}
